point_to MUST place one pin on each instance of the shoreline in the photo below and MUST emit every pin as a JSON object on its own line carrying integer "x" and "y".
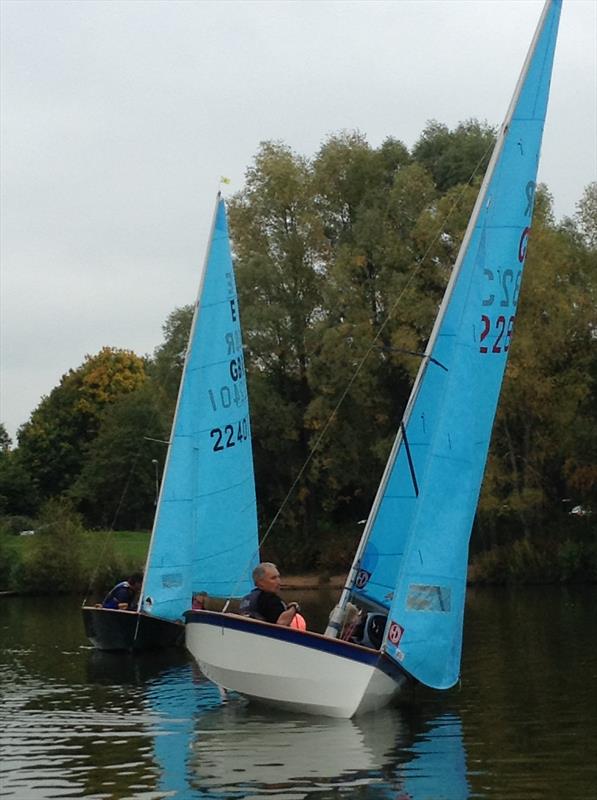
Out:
{"x": 314, "y": 581}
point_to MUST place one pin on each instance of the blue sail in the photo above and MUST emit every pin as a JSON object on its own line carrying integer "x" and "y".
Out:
{"x": 413, "y": 559}
{"x": 205, "y": 530}
{"x": 438, "y": 768}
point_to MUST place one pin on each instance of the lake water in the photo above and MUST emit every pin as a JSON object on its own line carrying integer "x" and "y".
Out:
{"x": 523, "y": 724}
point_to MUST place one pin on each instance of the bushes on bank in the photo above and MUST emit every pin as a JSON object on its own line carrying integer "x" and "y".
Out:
{"x": 527, "y": 561}
{"x": 53, "y": 563}
{"x": 64, "y": 558}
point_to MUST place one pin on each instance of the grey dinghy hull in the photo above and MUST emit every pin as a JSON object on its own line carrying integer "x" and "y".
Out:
{"x": 113, "y": 629}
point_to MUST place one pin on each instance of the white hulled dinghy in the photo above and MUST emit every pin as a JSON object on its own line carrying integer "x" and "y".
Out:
{"x": 409, "y": 573}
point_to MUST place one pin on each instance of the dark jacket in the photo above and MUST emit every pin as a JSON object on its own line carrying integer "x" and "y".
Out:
{"x": 265, "y": 606}
{"x": 121, "y": 593}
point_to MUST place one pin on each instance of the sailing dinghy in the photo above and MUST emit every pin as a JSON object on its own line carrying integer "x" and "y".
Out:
{"x": 409, "y": 573}
{"x": 204, "y": 536}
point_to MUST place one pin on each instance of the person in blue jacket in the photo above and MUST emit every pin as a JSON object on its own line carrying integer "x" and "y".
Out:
{"x": 125, "y": 594}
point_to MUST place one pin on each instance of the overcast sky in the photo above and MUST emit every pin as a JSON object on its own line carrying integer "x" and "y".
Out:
{"x": 118, "y": 118}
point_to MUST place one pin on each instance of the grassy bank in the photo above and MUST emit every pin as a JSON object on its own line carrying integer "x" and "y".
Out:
{"x": 129, "y": 546}
{"x": 105, "y": 557}
{"x": 69, "y": 559}
{"x": 65, "y": 558}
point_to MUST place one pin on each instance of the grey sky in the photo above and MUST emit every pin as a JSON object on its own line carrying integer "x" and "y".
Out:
{"x": 118, "y": 119}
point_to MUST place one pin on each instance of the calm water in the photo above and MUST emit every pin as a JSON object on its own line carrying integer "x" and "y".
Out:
{"x": 78, "y": 723}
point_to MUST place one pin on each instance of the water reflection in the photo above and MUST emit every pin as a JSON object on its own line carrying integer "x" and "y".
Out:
{"x": 75, "y": 722}
{"x": 236, "y": 750}
{"x": 241, "y": 751}
{"x": 438, "y": 767}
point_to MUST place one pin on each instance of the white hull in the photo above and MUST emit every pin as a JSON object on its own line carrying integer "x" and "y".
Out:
{"x": 295, "y": 670}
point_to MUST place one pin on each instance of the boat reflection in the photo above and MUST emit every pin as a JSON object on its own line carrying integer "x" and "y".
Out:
{"x": 241, "y": 751}
{"x": 238, "y": 747}
{"x": 209, "y": 743}
{"x": 123, "y": 668}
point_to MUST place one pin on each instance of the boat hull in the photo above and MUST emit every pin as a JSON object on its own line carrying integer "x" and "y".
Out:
{"x": 113, "y": 629}
{"x": 290, "y": 669}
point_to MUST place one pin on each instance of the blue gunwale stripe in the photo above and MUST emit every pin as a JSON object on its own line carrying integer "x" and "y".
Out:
{"x": 308, "y": 639}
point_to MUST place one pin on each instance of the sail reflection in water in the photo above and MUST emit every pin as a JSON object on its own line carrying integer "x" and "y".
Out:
{"x": 438, "y": 766}
{"x": 178, "y": 698}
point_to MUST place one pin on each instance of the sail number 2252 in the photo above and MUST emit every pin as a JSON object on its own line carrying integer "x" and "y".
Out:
{"x": 503, "y": 291}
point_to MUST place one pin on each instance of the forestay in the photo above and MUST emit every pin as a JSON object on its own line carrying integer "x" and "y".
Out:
{"x": 205, "y": 531}
{"x": 414, "y": 560}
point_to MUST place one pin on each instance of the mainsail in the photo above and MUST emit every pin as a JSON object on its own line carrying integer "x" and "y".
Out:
{"x": 413, "y": 558}
{"x": 205, "y": 529}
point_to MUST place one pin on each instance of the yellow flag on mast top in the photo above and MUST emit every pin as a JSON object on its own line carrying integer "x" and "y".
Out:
{"x": 223, "y": 179}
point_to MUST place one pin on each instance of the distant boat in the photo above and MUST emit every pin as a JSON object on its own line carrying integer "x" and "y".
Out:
{"x": 409, "y": 574}
{"x": 204, "y": 536}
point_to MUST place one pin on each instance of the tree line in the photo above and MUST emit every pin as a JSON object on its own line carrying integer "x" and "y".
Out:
{"x": 341, "y": 260}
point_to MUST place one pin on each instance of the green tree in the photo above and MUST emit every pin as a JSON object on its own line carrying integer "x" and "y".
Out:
{"x": 117, "y": 483}
{"x": 586, "y": 217}
{"x": 370, "y": 206}
{"x": 277, "y": 240}
{"x": 168, "y": 359}
{"x": 52, "y": 443}
{"x": 5, "y": 440}
{"x": 455, "y": 157}
{"x": 18, "y": 491}
{"x": 55, "y": 561}
{"x": 342, "y": 262}
{"x": 542, "y": 441}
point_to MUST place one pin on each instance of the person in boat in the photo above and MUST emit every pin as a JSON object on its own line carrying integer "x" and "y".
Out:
{"x": 264, "y": 602}
{"x": 124, "y": 595}
{"x": 198, "y": 601}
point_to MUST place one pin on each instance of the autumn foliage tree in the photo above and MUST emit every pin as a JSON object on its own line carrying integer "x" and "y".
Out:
{"x": 52, "y": 444}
